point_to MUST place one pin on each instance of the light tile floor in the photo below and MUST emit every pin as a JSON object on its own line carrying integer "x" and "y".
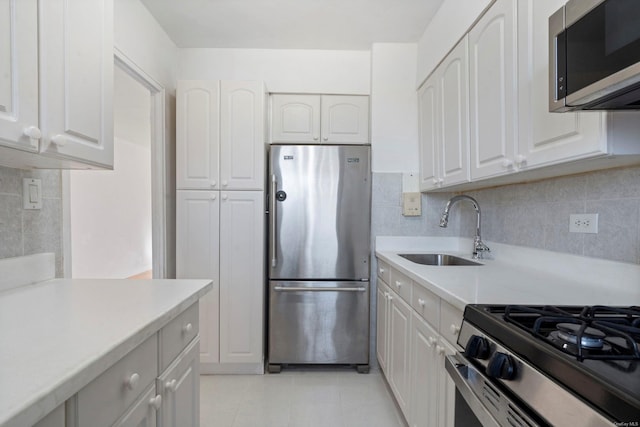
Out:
{"x": 298, "y": 398}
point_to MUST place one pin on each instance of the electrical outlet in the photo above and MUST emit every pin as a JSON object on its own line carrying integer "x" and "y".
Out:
{"x": 583, "y": 223}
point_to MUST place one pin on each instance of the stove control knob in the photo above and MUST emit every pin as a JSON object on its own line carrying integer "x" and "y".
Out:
{"x": 501, "y": 366}
{"x": 477, "y": 347}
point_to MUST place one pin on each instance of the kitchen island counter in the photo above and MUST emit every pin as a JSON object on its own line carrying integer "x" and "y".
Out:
{"x": 57, "y": 336}
{"x": 514, "y": 275}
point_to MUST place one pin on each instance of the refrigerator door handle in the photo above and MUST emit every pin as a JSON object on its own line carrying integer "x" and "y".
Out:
{"x": 319, "y": 289}
{"x": 274, "y": 185}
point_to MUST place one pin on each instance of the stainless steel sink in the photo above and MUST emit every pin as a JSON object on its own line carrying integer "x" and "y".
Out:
{"x": 438, "y": 259}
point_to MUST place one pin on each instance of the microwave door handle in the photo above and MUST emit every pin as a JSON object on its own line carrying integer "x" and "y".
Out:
{"x": 272, "y": 214}
{"x": 459, "y": 373}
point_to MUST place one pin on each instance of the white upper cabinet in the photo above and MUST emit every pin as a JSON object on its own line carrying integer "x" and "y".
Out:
{"x": 76, "y": 80}
{"x": 428, "y": 135}
{"x": 197, "y": 134}
{"x": 492, "y": 91}
{"x": 295, "y": 118}
{"x": 454, "y": 117}
{"x": 443, "y": 104}
{"x": 220, "y": 135}
{"x": 242, "y": 135}
{"x": 328, "y": 119}
{"x": 19, "y": 74}
{"x": 56, "y": 83}
{"x": 544, "y": 137}
{"x": 345, "y": 119}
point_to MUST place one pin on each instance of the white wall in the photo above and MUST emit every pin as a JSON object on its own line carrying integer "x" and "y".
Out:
{"x": 283, "y": 70}
{"x": 111, "y": 216}
{"x": 450, "y": 23}
{"x": 394, "y": 108}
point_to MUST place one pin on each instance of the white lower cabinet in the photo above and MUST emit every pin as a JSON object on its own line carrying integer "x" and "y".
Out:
{"x": 180, "y": 390}
{"x": 411, "y": 351}
{"x": 382, "y": 316}
{"x": 424, "y": 374}
{"x": 157, "y": 384}
{"x": 55, "y": 418}
{"x": 399, "y": 350}
{"x": 143, "y": 412}
{"x": 220, "y": 237}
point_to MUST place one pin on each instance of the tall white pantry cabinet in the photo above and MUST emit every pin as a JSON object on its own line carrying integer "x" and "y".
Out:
{"x": 220, "y": 210}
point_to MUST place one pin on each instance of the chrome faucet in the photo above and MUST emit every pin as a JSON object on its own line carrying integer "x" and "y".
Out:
{"x": 479, "y": 248}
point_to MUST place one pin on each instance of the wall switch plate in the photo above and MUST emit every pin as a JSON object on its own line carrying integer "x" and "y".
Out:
{"x": 411, "y": 204}
{"x": 583, "y": 223}
{"x": 31, "y": 193}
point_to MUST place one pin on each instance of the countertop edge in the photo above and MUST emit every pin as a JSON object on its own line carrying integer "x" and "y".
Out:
{"x": 48, "y": 400}
{"x": 448, "y": 297}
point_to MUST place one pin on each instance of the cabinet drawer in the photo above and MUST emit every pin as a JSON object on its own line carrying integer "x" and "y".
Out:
{"x": 175, "y": 336}
{"x": 426, "y": 304}
{"x": 384, "y": 271}
{"x": 402, "y": 285}
{"x": 102, "y": 401}
{"x": 450, "y": 321}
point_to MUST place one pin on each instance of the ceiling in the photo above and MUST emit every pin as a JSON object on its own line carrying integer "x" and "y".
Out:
{"x": 292, "y": 24}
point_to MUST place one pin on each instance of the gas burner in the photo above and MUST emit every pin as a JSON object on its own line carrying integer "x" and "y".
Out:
{"x": 568, "y": 335}
{"x": 589, "y": 337}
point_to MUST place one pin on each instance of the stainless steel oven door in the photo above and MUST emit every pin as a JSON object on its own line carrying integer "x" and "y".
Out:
{"x": 479, "y": 402}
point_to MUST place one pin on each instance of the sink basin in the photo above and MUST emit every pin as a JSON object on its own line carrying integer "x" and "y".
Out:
{"x": 437, "y": 259}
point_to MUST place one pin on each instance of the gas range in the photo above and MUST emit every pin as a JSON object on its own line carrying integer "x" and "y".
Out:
{"x": 564, "y": 365}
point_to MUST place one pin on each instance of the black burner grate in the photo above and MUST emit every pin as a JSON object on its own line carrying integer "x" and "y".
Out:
{"x": 620, "y": 325}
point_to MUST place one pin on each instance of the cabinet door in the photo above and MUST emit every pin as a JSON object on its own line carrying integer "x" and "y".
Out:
{"x": 142, "y": 413}
{"x": 180, "y": 390}
{"x": 76, "y": 80}
{"x": 19, "y": 74}
{"x": 210, "y": 328}
{"x": 446, "y": 386}
{"x": 492, "y": 92}
{"x": 424, "y": 374}
{"x": 382, "y": 325}
{"x": 399, "y": 351}
{"x": 242, "y": 135}
{"x": 197, "y": 235}
{"x": 546, "y": 138}
{"x": 197, "y": 134}
{"x": 454, "y": 116}
{"x": 295, "y": 118}
{"x": 55, "y": 418}
{"x": 241, "y": 276}
{"x": 428, "y": 123}
{"x": 345, "y": 119}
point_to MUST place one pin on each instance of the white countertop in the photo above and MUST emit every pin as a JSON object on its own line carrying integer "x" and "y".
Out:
{"x": 515, "y": 275}
{"x": 58, "y": 335}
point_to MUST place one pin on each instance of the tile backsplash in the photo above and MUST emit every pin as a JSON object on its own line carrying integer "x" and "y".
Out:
{"x": 25, "y": 232}
{"x": 532, "y": 214}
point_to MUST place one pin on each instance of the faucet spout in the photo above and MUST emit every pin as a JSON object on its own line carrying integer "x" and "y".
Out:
{"x": 479, "y": 248}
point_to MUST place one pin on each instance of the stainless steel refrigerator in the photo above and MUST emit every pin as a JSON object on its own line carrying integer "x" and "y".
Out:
{"x": 319, "y": 232}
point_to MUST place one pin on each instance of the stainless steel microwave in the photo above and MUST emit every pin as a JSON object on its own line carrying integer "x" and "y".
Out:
{"x": 594, "y": 56}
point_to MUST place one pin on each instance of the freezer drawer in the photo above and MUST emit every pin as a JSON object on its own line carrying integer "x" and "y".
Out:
{"x": 319, "y": 322}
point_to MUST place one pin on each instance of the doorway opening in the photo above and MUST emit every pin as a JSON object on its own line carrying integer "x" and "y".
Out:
{"x": 117, "y": 219}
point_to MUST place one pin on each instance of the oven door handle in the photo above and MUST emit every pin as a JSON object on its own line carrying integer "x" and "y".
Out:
{"x": 459, "y": 372}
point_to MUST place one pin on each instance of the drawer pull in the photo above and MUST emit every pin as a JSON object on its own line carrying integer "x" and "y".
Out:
{"x": 132, "y": 381}
{"x": 382, "y": 270}
{"x": 399, "y": 284}
{"x": 432, "y": 340}
{"x": 156, "y": 402}
{"x": 214, "y": 183}
{"x": 187, "y": 328}
{"x": 421, "y": 302}
{"x": 440, "y": 349}
{"x": 454, "y": 328}
{"x": 171, "y": 385}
